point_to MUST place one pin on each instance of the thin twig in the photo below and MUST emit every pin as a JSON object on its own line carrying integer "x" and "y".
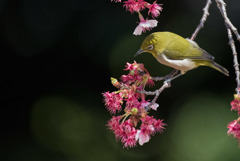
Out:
{"x": 169, "y": 76}
{"x": 235, "y": 59}
{"x": 147, "y": 92}
{"x": 222, "y": 7}
{"x": 159, "y": 91}
{"x": 203, "y": 19}
{"x": 158, "y": 78}
{"x": 165, "y": 85}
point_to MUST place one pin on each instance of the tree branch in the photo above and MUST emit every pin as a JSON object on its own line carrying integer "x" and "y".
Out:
{"x": 230, "y": 28}
{"x": 235, "y": 59}
{"x": 203, "y": 19}
{"x": 165, "y": 85}
{"x": 222, "y": 7}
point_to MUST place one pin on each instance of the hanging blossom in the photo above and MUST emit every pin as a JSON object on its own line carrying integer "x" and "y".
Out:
{"x": 234, "y": 126}
{"x": 236, "y": 103}
{"x": 135, "y": 125}
{"x": 115, "y": 1}
{"x": 234, "y": 129}
{"x": 144, "y": 25}
{"x": 135, "y": 6}
{"x": 154, "y": 9}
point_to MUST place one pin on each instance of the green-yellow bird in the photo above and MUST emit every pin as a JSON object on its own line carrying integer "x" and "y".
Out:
{"x": 182, "y": 54}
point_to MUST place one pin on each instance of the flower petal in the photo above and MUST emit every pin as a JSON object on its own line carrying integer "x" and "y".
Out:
{"x": 143, "y": 138}
{"x": 149, "y": 23}
{"x": 138, "y": 30}
{"x": 154, "y": 106}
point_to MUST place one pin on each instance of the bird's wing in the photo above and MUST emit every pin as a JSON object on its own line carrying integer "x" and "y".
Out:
{"x": 190, "y": 50}
{"x": 204, "y": 54}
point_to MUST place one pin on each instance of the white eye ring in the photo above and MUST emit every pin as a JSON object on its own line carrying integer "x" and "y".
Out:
{"x": 150, "y": 47}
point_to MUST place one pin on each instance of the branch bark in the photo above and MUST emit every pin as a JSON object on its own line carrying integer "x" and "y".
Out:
{"x": 203, "y": 19}
{"x": 231, "y": 28}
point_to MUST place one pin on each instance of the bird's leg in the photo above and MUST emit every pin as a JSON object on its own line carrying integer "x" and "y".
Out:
{"x": 169, "y": 76}
{"x": 172, "y": 78}
{"x": 172, "y": 74}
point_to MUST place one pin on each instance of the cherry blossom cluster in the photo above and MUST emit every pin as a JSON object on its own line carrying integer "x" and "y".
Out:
{"x": 154, "y": 10}
{"x": 134, "y": 125}
{"x": 234, "y": 126}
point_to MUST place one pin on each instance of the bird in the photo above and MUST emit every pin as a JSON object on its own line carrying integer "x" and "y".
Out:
{"x": 177, "y": 52}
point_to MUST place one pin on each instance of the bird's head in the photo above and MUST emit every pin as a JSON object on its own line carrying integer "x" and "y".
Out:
{"x": 153, "y": 44}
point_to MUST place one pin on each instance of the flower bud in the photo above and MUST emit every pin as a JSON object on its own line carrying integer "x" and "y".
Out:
{"x": 134, "y": 111}
{"x": 237, "y": 96}
{"x": 115, "y": 82}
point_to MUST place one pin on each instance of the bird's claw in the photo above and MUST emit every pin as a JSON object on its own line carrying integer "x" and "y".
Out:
{"x": 171, "y": 75}
{"x": 168, "y": 82}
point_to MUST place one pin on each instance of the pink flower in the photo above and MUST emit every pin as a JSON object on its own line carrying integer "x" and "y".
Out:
{"x": 154, "y": 106}
{"x": 132, "y": 100}
{"x": 234, "y": 129}
{"x": 141, "y": 4}
{"x": 159, "y": 126}
{"x": 133, "y": 75}
{"x": 113, "y": 101}
{"x": 142, "y": 137}
{"x": 144, "y": 25}
{"x": 236, "y": 105}
{"x": 134, "y": 6}
{"x": 116, "y": 1}
{"x": 129, "y": 134}
{"x": 133, "y": 66}
{"x": 135, "y": 115}
{"x": 154, "y": 9}
{"x": 113, "y": 125}
{"x": 144, "y": 104}
{"x": 131, "y": 78}
{"x": 149, "y": 127}
{"x": 125, "y": 132}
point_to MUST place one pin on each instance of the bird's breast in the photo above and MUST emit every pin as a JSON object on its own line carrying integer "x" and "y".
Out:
{"x": 182, "y": 65}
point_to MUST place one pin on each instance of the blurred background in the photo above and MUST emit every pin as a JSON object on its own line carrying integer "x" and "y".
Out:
{"x": 57, "y": 60}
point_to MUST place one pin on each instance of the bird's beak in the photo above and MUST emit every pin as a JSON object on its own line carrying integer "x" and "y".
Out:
{"x": 139, "y": 52}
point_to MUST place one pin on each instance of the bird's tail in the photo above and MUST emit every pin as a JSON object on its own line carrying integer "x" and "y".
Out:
{"x": 219, "y": 68}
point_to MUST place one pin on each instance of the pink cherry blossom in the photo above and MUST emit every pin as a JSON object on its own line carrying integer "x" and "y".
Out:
{"x": 135, "y": 125}
{"x": 144, "y": 25}
{"x": 137, "y": 74}
{"x": 115, "y": 1}
{"x": 113, "y": 125}
{"x": 113, "y": 101}
{"x": 142, "y": 137}
{"x": 134, "y": 6}
{"x": 133, "y": 66}
{"x": 132, "y": 77}
{"x": 141, "y": 4}
{"x": 154, "y": 106}
{"x": 157, "y": 124}
{"x": 129, "y": 134}
{"x": 154, "y": 9}
{"x": 234, "y": 129}
{"x": 236, "y": 105}
{"x": 125, "y": 132}
{"x": 148, "y": 127}
{"x": 132, "y": 101}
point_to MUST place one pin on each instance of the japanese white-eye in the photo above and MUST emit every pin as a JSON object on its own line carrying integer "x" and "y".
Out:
{"x": 177, "y": 52}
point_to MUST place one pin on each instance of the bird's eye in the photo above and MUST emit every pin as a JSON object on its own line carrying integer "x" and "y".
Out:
{"x": 150, "y": 47}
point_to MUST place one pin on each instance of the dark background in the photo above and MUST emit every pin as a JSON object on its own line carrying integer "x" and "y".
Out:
{"x": 58, "y": 57}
